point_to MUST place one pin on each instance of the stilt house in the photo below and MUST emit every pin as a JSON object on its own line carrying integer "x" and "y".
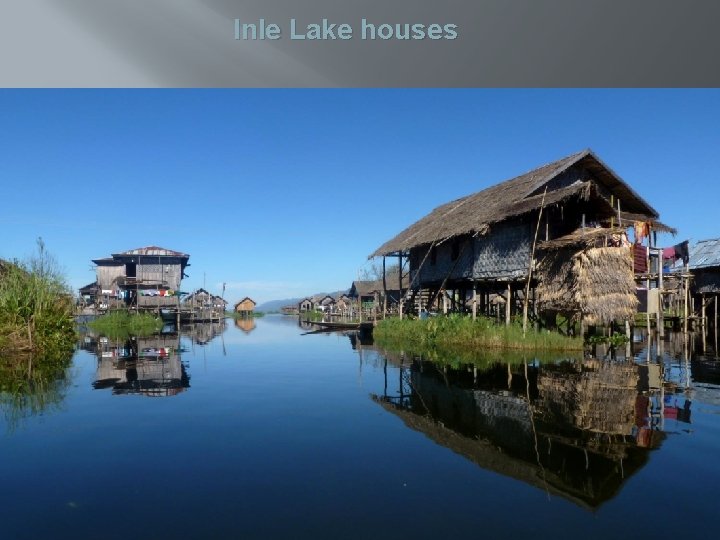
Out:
{"x": 704, "y": 265}
{"x": 305, "y": 305}
{"x": 147, "y": 277}
{"x": 481, "y": 246}
{"x": 245, "y": 306}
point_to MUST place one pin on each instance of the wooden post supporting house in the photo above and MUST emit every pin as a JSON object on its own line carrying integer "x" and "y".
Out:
{"x": 702, "y": 322}
{"x": 475, "y": 301}
{"x": 685, "y": 308}
{"x": 716, "y": 324}
{"x": 507, "y": 304}
{"x": 400, "y": 303}
{"x": 384, "y": 290}
{"x": 660, "y": 314}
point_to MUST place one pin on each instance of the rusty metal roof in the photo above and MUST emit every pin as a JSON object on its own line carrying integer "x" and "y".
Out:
{"x": 155, "y": 251}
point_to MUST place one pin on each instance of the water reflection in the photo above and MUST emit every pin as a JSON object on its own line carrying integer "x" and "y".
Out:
{"x": 203, "y": 333}
{"x": 32, "y": 385}
{"x": 247, "y": 325}
{"x": 148, "y": 366}
{"x": 574, "y": 428}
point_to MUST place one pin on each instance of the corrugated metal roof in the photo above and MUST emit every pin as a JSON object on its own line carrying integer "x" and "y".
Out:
{"x": 154, "y": 250}
{"x": 705, "y": 253}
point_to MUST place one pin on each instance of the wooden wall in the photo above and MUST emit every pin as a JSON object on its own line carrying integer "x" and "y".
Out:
{"x": 106, "y": 275}
{"x": 164, "y": 273}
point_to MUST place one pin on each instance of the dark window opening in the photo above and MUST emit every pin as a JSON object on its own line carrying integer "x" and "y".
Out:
{"x": 455, "y": 250}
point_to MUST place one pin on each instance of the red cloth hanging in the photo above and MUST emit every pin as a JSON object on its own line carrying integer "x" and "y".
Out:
{"x": 640, "y": 259}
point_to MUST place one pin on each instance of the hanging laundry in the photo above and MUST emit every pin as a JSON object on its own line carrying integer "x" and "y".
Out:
{"x": 668, "y": 253}
{"x": 640, "y": 259}
{"x": 642, "y": 230}
{"x": 682, "y": 251}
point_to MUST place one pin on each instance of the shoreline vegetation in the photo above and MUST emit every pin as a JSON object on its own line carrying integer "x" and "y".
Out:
{"x": 37, "y": 336}
{"x": 36, "y": 308}
{"x": 251, "y": 315}
{"x": 462, "y": 337}
{"x": 119, "y": 324}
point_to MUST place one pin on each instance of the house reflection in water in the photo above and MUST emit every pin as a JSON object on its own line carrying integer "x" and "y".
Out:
{"x": 148, "y": 366}
{"x": 577, "y": 429}
{"x": 247, "y": 325}
{"x": 204, "y": 333}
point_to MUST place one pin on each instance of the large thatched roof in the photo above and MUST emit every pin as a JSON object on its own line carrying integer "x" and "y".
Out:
{"x": 475, "y": 213}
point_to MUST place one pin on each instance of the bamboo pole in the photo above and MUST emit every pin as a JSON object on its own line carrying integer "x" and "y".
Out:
{"x": 661, "y": 314}
{"x": 716, "y": 325}
{"x": 475, "y": 300}
{"x": 685, "y": 309}
{"x": 526, "y": 300}
{"x": 385, "y": 289}
{"x": 702, "y": 323}
{"x": 507, "y": 304}
{"x": 400, "y": 303}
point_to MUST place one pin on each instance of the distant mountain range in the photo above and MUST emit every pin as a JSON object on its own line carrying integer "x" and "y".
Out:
{"x": 276, "y": 305}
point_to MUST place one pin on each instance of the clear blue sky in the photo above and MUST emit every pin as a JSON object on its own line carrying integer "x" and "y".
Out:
{"x": 283, "y": 193}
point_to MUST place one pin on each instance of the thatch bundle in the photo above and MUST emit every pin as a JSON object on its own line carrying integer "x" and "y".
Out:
{"x": 596, "y": 283}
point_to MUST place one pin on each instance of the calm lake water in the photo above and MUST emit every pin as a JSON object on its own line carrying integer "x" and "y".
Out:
{"x": 256, "y": 432}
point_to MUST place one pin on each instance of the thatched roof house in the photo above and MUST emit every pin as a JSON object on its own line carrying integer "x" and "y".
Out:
{"x": 246, "y": 305}
{"x": 487, "y": 237}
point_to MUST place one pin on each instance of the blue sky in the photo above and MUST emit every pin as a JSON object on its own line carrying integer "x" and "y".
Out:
{"x": 283, "y": 193}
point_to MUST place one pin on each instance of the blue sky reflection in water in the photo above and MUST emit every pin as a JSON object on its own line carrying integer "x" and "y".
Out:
{"x": 273, "y": 433}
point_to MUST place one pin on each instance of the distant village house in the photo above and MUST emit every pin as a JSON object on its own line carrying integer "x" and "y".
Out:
{"x": 245, "y": 307}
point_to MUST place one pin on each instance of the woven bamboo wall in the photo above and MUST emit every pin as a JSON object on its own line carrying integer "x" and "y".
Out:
{"x": 504, "y": 252}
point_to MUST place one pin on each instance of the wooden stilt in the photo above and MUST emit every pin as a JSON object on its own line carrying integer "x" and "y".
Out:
{"x": 475, "y": 301}
{"x": 530, "y": 263}
{"x": 400, "y": 306}
{"x": 507, "y": 304}
{"x": 685, "y": 310}
{"x": 715, "y": 326}
{"x": 385, "y": 290}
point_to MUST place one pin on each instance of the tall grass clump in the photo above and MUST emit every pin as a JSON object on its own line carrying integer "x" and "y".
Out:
{"x": 461, "y": 334}
{"x": 118, "y": 324}
{"x": 36, "y": 307}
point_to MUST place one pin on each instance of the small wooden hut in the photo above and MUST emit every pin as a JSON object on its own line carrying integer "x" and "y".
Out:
{"x": 482, "y": 245}
{"x": 245, "y": 306}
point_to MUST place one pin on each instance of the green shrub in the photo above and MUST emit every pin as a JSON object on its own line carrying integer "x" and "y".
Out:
{"x": 460, "y": 336}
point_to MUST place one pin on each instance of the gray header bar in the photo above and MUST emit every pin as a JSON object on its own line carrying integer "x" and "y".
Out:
{"x": 488, "y": 43}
